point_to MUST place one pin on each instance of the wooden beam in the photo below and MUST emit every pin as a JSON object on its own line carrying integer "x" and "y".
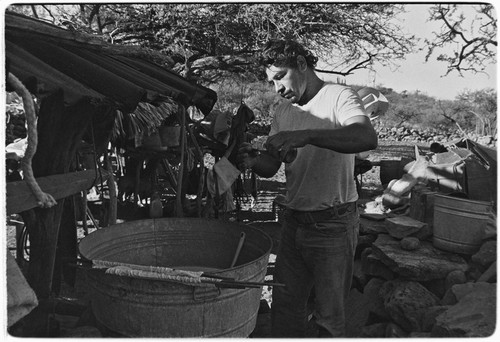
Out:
{"x": 20, "y": 198}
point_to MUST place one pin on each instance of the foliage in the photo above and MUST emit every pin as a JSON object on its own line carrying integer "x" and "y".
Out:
{"x": 482, "y": 106}
{"x": 410, "y": 109}
{"x": 215, "y": 43}
{"x": 257, "y": 95}
{"x": 208, "y": 40}
{"x": 473, "y": 39}
{"x": 471, "y": 111}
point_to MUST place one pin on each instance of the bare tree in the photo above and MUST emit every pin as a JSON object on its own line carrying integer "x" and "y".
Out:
{"x": 473, "y": 39}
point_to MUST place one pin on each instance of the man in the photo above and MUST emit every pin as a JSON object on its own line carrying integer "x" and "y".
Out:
{"x": 326, "y": 124}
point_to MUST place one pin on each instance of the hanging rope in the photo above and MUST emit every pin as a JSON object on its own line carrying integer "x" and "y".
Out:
{"x": 44, "y": 200}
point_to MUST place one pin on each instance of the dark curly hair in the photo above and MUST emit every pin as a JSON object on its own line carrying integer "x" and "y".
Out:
{"x": 283, "y": 53}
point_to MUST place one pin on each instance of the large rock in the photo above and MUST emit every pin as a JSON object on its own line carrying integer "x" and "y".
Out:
{"x": 490, "y": 275}
{"x": 487, "y": 254}
{"x": 373, "y": 266}
{"x": 375, "y": 302}
{"x": 474, "y": 315}
{"x": 402, "y": 226}
{"x": 455, "y": 277}
{"x": 374, "y": 330}
{"x": 404, "y": 301}
{"x": 410, "y": 243}
{"x": 428, "y": 316}
{"x": 425, "y": 263}
{"x": 367, "y": 226}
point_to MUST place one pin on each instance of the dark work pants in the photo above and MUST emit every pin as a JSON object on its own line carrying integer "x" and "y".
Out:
{"x": 315, "y": 252}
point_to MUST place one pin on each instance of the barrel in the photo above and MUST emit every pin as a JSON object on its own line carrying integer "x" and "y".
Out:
{"x": 459, "y": 223}
{"x": 137, "y": 307}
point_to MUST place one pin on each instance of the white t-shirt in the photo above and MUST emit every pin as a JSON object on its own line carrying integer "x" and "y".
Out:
{"x": 319, "y": 178}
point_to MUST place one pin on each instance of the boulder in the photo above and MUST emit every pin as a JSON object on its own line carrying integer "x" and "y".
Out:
{"x": 410, "y": 243}
{"x": 455, "y": 277}
{"x": 83, "y": 331}
{"x": 375, "y": 302}
{"x": 403, "y": 226}
{"x": 359, "y": 278}
{"x": 417, "y": 334}
{"x": 436, "y": 286}
{"x": 428, "y": 316}
{"x": 394, "y": 330}
{"x": 404, "y": 301}
{"x": 425, "y": 263}
{"x": 449, "y": 298}
{"x": 373, "y": 266}
{"x": 487, "y": 254}
{"x": 490, "y": 275}
{"x": 374, "y": 330}
{"x": 474, "y": 315}
{"x": 367, "y": 226}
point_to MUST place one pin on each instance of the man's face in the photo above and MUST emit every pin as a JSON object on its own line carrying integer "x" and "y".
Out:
{"x": 289, "y": 82}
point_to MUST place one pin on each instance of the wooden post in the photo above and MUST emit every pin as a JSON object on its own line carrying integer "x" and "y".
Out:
{"x": 201, "y": 180}
{"x": 180, "y": 193}
{"x": 113, "y": 205}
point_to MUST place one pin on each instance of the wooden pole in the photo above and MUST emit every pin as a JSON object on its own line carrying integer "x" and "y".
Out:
{"x": 113, "y": 205}
{"x": 180, "y": 194}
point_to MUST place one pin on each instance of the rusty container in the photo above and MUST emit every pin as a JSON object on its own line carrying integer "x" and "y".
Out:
{"x": 136, "y": 307}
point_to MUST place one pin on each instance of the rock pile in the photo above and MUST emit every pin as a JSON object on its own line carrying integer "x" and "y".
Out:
{"x": 407, "y": 285}
{"x": 428, "y": 135}
{"x": 422, "y": 292}
{"x": 390, "y": 133}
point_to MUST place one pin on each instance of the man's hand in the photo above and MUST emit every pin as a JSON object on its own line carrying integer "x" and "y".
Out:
{"x": 281, "y": 143}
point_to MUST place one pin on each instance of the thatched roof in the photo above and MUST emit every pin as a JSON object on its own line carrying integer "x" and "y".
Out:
{"x": 46, "y": 57}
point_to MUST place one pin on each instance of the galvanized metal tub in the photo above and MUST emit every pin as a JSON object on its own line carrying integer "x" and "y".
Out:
{"x": 459, "y": 224}
{"x": 152, "y": 308}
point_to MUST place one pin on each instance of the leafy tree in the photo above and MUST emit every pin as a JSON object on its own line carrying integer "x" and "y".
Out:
{"x": 411, "y": 110}
{"x": 256, "y": 95}
{"x": 473, "y": 39}
{"x": 207, "y": 41}
{"x": 481, "y": 105}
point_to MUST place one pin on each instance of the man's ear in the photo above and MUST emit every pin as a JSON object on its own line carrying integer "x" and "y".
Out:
{"x": 301, "y": 63}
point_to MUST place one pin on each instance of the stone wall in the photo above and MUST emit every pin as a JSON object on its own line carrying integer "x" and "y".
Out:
{"x": 429, "y": 135}
{"x": 411, "y": 135}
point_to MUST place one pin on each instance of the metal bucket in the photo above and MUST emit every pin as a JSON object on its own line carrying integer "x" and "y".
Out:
{"x": 459, "y": 224}
{"x": 152, "y": 308}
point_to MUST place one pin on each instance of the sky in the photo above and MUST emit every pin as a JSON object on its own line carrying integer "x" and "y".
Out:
{"x": 415, "y": 74}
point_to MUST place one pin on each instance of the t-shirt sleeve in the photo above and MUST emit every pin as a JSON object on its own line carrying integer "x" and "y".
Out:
{"x": 349, "y": 104}
{"x": 275, "y": 120}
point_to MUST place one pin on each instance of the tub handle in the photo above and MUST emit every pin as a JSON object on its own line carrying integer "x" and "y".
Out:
{"x": 204, "y": 293}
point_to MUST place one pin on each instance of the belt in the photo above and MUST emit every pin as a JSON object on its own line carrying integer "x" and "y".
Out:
{"x": 322, "y": 215}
